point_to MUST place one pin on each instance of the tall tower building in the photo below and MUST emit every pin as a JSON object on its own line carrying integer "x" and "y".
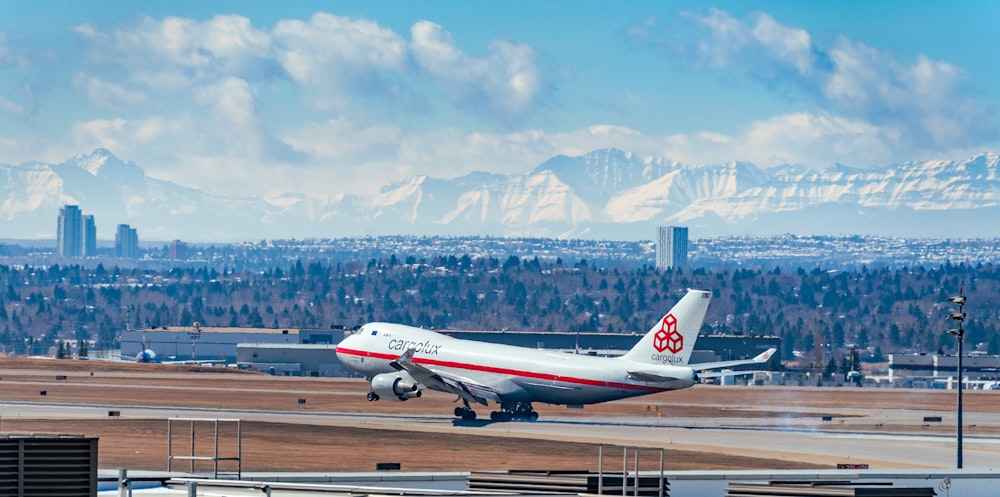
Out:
{"x": 126, "y": 242}
{"x": 89, "y": 243}
{"x": 671, "y": 247}
{"x": 69, "y": 231}
{"x": 177, "y": 250}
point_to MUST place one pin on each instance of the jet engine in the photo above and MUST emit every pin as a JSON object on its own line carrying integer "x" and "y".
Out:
{"x": 395, "y": 385}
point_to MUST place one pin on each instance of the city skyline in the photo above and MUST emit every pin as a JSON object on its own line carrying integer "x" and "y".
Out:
{"x": 326, "y": 99}
{"x": 76, "y": 236}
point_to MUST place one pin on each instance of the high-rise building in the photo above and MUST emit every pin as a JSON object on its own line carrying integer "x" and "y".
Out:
{"x": 69, "y": 231}
{"x": 177, "y": 250}
{"x": 89, "y": 242}
{"x": 671, "y": 247}
{"x": 126, "y": 242}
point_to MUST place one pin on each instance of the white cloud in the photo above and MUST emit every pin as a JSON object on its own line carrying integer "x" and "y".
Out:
{"x": 929, "y": 104}
{"x": 382, "y": 154}
{"x": 586, "y": 139}
{"x": 150, "y": 138}
{"x": 335, "y": 57}
{"x": 506, "y": 82}
{"x": 175, "y": 53}
{"x": 200, "y": 96}
{"x": 108, "y": 95}
{"x": 18, "y": 60}
{"x": 10, "y": 108}
{"x": 157, "y": 138}
{"x": 231, "y": 101}
{"x": 331, "y": 61}
{"x": 5, "y": 56}
{"x": 362, "y": 158}
{"x": 233, "y": 158}
{"x": 449, "y": 152}
{"x": 345, "y": 141}
{"x": 787, "y": 44}
{"x": 328, "y": 46}
{"x": 349, "y": 156}
{"x": 11, "y": 54}
{"x": 386, "y": 154}
{"x": 218, "y": 103}
{"x": 811, "y": 140}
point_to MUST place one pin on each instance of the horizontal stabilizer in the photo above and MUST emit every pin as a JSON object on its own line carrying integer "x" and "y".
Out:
{"x": 760, "y": 358}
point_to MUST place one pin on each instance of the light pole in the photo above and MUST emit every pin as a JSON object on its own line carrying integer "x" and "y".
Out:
{"x": 959, "y": 333}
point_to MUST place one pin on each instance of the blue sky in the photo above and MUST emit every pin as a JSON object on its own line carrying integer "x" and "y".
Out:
{"x": 326, "y": 97}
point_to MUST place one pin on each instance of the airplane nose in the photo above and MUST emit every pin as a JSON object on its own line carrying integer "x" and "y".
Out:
{"x": 344, "y": 344}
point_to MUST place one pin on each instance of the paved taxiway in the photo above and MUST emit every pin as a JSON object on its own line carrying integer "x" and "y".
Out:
{"x": 791, "y": 438}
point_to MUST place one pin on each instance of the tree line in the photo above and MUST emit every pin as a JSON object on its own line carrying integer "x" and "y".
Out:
{"x": 877, "y": 311}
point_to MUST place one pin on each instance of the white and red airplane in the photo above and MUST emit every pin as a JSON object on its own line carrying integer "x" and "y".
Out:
{"x": 400, "y": 361}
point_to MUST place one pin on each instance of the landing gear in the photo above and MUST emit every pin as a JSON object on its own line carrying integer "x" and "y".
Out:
{"x": 372, "y": 396}
{"x": 465, "y": 412}
{"x": 501, "y": 416}
{"x": 520, "y": 411}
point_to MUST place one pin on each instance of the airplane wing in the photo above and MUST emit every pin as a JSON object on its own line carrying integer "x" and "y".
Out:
{"x": 444, "y": 382}
{"x": 762, "y": 357}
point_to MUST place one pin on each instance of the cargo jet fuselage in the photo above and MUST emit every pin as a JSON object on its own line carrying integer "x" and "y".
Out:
{"x": 400, "y": 361}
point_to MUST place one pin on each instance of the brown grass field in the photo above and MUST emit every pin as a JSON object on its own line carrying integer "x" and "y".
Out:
{"x": 141, "y": 444}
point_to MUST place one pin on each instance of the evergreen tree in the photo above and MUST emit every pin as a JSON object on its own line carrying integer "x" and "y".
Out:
{"x": 831, "y": 367}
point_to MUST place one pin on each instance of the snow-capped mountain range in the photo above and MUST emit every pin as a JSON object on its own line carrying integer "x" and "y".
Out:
{"x": 605, "y": 194}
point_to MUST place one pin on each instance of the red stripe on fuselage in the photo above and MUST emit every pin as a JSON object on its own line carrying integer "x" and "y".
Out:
{"x": 512, "y": 372}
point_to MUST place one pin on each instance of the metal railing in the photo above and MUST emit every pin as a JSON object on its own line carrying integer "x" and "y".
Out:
{"x": 214, "y": 457}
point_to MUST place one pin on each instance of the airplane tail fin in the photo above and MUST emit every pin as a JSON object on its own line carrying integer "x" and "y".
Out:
{"x": 672, "y": 338}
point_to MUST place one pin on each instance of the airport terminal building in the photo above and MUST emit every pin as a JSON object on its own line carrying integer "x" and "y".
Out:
{"x": 209, "y": 343}
{"x": 931, "y": 370}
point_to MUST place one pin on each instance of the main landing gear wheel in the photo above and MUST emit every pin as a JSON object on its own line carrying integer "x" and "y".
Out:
{"x": 501, "y": 416}
{"x": 465, "y": 412}
{"x": 520, "y": 411}
{"x": 372, "y": 396}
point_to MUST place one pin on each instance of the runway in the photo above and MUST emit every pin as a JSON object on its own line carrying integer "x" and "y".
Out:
{"x": 792, "y": 439}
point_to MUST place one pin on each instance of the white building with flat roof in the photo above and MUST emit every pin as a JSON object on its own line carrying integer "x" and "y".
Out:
{"x": 200, "y": 343}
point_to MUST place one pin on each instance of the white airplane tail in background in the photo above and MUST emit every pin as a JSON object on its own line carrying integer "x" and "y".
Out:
{"x": 671, "y": 340}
